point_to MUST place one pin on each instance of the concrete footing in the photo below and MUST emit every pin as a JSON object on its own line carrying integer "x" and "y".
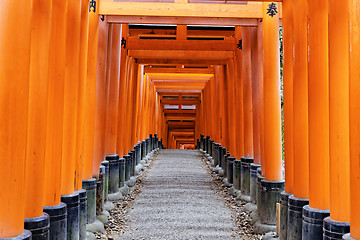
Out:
{"x": 334, "y": 230}
{"x": 237, "y": 174}
{"x": 106, "y": 179}
{"x": 284, "y": 197}
{"x": 72, "y": 202}
{"x": 347, "y": 237}
{"x": 83, "y": 213}
{"x": 261, "y": 228}
{"x": 39, "y": 227}
{"x": 90, "y": 186}
{"x": 294, "y": 225}
{"x": 58, "y": 221}
{"x": 121, "y": 172}
{"x": 312, "y": 225}
{"x": 270, "y": 196}
{"x": 96, "y": 226}
{"x": 253, "y": 181}
{"x": 245, "y": 175}
{"x": 113, "y": 173}
{"x": 26, "y": 235}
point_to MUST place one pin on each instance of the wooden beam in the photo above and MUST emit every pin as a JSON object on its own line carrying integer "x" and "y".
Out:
{"x": 181, "y": 30}
{"x": 250, "y": 10}
{"x": 148, "y": 69}
{"x": 249, "y": 22}
{"x": 172, "y": 32}
{"x": 187, "y": 92}
{"x": 181, "y": 54}
{"x": 180, "y": 111}
{"x": 134, "y": 43}
{"x": 179, "y": 102}
{"x": 188, "y": 62}
{"x": 179, "y": 77}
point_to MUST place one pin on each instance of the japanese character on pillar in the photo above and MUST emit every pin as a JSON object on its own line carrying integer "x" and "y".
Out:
{"x": 272, "y": 10}
{"x": 92, "y": 5}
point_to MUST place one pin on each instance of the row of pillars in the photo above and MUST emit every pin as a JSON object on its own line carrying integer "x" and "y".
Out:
{"x": 241, "y": 111}
{"x": 65, "y": 104}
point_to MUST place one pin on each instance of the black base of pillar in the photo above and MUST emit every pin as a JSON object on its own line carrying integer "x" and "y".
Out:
{"x": 58, "y": 221}
{"x": 90, "y": 186}
{"x": 25, "y": 236}
{"x": 72, "y": 202}
{"x": 121, "y": 172}
{"x": 83, "y": 213}
{"x": 253, "y": 181}
{"x": 106, "y": 183}
{"x": 113, "y": 186}
{"x": 258, "y": 189}
{"x": 270, "y": 196}
{"x": 334, "y": 229}
{"x": 294, "y": 225}
{"x": 230, "y": 171}
{"x": 312, "y": 226}
{"x": 237, "y": 174}
{"x": 39, "y": 227}
{"x": 245, "y": 175}
{"x": 284, "y": 197}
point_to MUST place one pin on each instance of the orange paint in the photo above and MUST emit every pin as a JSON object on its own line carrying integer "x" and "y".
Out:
{"x": 300, "y": 101}
{"x": 38, "y": 87}
{"x": 354, "y": 86}
{"x": 318, "y": 105}
{"x": 272, "y": 111}
{"x": 55, "y": 105}
{"x": 288, "y": 66}
{"x": 14, "y": 93}
{"x": 339, "y": 111}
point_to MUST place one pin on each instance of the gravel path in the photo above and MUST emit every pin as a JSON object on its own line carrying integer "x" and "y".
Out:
{"x": 178, "y": 201}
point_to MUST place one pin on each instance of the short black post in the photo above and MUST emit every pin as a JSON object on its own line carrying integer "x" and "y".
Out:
{"x": 90, "y": 186}
{"x": 258, "y": 189}
{"x": 133, "y": 162}
{"x": 83, "y": 214}
{"x": 39, "y": 227}
{"x": 72, "y": 202}
{"x": 207, "y": 140}
{"x": 295, "y": 217}
{"x": 201, "y": 141}
{"x": 106, "y": 181}
{"x": 100, "y": 191}
{"x": 143, "y": 149}
{"x": 151, "y": 142}
{"x": 284, "y": 198}
{"x": 127, "y": 167}
{"x": 253, "y": 181}
{"x": 334, "y": 230}
{"x": 245, "y": 175}
{"x": 237, "y": 174}
{"x": 312, "y": 225}
{"x": 216, "y": 154}
{"x": 230, "y": 164}
{"x": 121, "y": 172}
{"x": 270, "y": 196}
{"x": 113, "y": 173}
{"x": 58, "y": 221}
{"x": 148, "y": 146}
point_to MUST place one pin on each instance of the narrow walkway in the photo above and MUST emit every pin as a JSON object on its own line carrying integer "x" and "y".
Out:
{"x": 177, "y": 202}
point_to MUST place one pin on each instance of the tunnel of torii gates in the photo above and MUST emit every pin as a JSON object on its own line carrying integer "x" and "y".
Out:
{"x": 80, "y": 80}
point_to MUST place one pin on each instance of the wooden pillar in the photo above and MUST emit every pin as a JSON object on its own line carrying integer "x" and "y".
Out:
{"x": 255, "y": 94}
{"x": 38, "y": 87}
{"x": 70, "y": 96}
{"x": 318, "y": 105}
{"x": 354, "y": 86}
{"x": 288, "y": 76}
{"x": 80, "y": 119}
{"x": 113, "y": 90}
{"x": 55, "y": 105}
{"x": 101, "y": 91}
{"x": 14, "y": 93}
{"x": 247, "y": 96}
{"x": 300, "y": 101}
{"x": 230, "y": 94}
{"x": 339, "y": 111}
{"x": 239, "y": 97}
{"x": 91, "y": 165}
{"x": 272, "y": 101}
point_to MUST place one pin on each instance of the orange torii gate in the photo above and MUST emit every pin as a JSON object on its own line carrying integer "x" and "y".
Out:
{"x": 80, "y": 83}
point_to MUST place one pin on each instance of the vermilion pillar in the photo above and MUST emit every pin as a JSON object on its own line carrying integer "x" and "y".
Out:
{"x": 80, "y": 119}
{"x": 14, "y": 93}
{"x": 300, "y": 101}
{"x": 354, "y": 86}
{"x": 91, "y": 165}
{"x": 272, "y": 104}
{"x": 113, "y": 90}
{"x": 339, "y": 116}
{"x": 38, "y": 87}
{"x": 247, "y": 93}
{"x": 70, "y": 96}
{"x": 55, "y": 105}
